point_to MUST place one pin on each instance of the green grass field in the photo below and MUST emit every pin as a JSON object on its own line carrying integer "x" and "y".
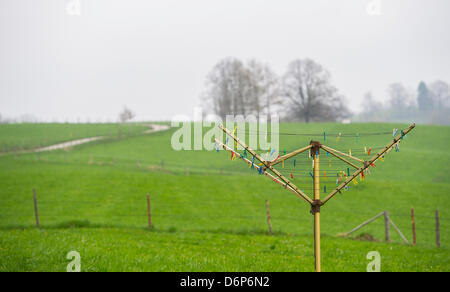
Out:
{"x": 209, "y": 212}
{"x": 17, "y": 137}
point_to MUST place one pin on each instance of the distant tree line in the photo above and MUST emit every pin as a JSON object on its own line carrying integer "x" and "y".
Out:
{"x": 429, "y": 103}
{"x": 303, "y": 93}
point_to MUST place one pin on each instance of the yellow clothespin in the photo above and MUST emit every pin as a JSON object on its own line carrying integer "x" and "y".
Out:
{"x": 282, "y": 163}
{"x": 338, "y": 137}
{"x": 234, "y": 132}
{"x": 350, "y": 152}
{"x": 365, "y": 150}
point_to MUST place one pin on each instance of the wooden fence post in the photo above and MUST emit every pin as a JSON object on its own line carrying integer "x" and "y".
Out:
{"x": 386, "y": 225}
{"x": 438, "y": 235}
{"x": 413, "y": 222}
{"x": 149, "y": 212}
{"x": 36, "y": 214}
{"x": 363, "y": 224}
{"x": 269, "y": 222}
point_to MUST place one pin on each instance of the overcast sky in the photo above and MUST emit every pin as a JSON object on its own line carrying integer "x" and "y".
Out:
{"x": 153, "y": 56}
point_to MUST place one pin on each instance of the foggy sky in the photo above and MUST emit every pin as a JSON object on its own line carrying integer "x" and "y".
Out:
{"x": 153, "y": 56}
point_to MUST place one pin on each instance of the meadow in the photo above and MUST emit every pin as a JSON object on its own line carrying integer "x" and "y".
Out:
{"x": 208, "y": 212}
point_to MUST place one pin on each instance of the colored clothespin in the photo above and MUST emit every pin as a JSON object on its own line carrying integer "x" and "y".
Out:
{"x": 365, "y": 150}
{"x": 253, "y": 160}
{"x": 402, "y": 134}
{"x": 324, "y": 175}
{"x": 226, "y": 141}
{"x": 324, "y": 189}
{"x": 329, "y": 163}
{"x": 362, "y": 175}
{"x": 348, "y": 171}
{"x": 324, "y": 136}
{"x": 292, "y": 176}
{"x": 350, "y": 152}
{"x": 294, "y": 162}
{"x": 217, "y": 147}
{"x": 370, "y": 149}
{"x": 312, "y": 175}
{"x": 327, "y": 152}
{"x": 282, "y": 163}
{"x": 338, "y": 137}
{"x": 271, "y": 152}
{"x": 394, "y": 132}
{"x": 245, "y": 153}
{"x": 284, "y": 151}
{"x": 260, "y": 170}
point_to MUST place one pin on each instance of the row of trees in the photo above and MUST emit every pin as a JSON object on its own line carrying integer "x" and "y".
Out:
{"x": 303, "y": 93}
{"x": 429, "y": 103}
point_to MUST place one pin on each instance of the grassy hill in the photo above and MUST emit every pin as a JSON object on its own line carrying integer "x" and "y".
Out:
{"x": 209, "y": 212}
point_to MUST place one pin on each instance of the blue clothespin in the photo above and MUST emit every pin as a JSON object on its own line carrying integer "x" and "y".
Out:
{"x": 271, "y": 152}
{"x": 245, "y": 153}
{"x": 324, "y": 189}
{"x": 217, "y": 146}
{"x": 312, "y": 175}
{"x": 348, "y": 171}
{"x": 226, "y": 141}
{"x": 327, "y": 153}
{"x": 253, "y": 160}
{"x": 294, "y": 162}
{"x": 402, "y": 134}
{"x": 260, "y": 170}
{"x": 324, "y": 136}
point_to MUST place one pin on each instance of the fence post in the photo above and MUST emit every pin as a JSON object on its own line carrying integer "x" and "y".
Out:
{"x": 386, "y": 225}
{"x": 413, "y": 222}
{"x": 149, "y": 212}
{"x": 269, "y": 222}
{"x": 36, "y": 214}
{"x": 438, "y": 235}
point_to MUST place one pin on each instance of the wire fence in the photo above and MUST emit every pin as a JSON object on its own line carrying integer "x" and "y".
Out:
{"x": 53, "y": 212}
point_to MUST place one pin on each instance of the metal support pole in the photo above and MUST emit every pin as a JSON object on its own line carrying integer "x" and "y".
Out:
{"x": 316, "y": 205}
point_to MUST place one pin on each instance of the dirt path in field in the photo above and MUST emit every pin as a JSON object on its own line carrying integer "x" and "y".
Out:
{"x": 154, "y": 128}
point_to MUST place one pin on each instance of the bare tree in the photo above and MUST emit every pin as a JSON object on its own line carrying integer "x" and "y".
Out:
{"x": 441, "y": 94}
{"x": 400, "y": 98}
{"x": 371, "y": 108}
{"x": 125, "y": 115}
{"x": 309, "y": 94}
{"x": 262, "y": 91}
{"x": 226, "y": 85}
